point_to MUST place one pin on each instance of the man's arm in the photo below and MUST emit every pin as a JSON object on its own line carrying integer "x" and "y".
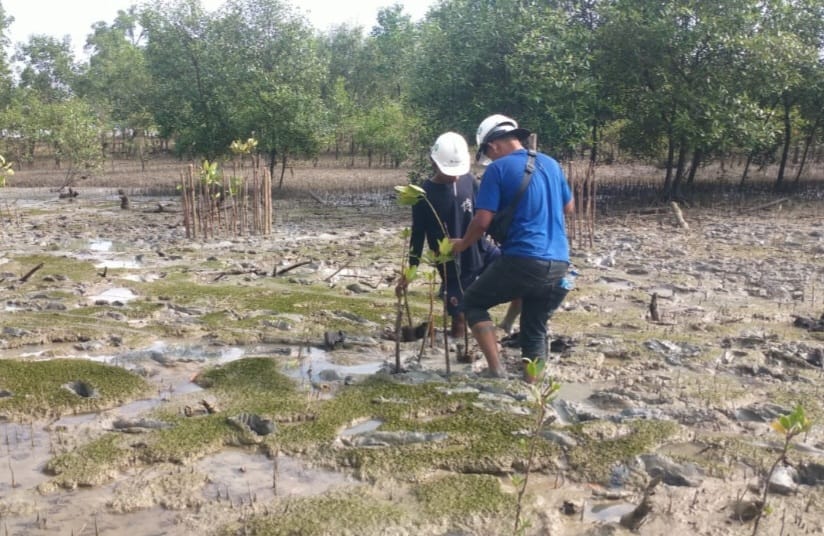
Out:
{"x": 569, "y": 208}
{"x": 477, "y": 227}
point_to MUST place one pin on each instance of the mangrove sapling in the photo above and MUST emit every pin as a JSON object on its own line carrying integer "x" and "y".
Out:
{"x": 410, "y": 195}
{"x": 406, "y": 274}
{"x": 443, "y": 256}
{"x": 543, "y": 390}
{"x": 789, "y": 426}
{"x": 430, "y": 321}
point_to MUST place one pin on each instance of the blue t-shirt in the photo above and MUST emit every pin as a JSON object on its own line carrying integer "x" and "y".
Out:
{"x": 538, "y": 228}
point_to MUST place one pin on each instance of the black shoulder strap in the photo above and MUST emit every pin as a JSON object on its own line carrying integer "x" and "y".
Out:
{"x": 530, "y": 167}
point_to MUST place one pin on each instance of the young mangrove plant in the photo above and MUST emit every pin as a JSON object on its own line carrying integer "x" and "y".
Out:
{"x": 434, "y": 260}
{"x": 543, "y": 391}
{"x": 410, "y": 195}
{"x": 789, "y": 426}
{"x": 406, "y": 275}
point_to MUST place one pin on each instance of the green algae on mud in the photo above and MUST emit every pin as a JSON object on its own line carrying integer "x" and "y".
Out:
{"x": 92, "y": 464}
{"x": 594, "y": 457}
{"x": 52, "y": 265}
{"x": 459, "y": 495}
{"x": 41, "y": 388}
{"x": 477, "y": 440}
{"x": 474, "y": 502}
{"x": 274, "y": 296}
{"x": 347, "y": 512}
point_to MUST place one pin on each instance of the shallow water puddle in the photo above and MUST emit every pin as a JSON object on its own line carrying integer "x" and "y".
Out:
{"x": 85, "y": 511}
{"x": 117, "y": 294}
{"x": 607, "y": 513}
{"x": 319, "y": 364}
{"x": 25, "y": 448}
{"x": 236, "y": 473}
{"x": 100, "y": 245}
{"x": 361, "y": 428}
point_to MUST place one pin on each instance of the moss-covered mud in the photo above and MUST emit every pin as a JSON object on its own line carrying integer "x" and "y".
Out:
{"x": 123, "y": 404}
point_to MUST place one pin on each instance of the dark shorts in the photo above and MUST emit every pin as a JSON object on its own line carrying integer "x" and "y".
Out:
{"x": 536, "y": 282}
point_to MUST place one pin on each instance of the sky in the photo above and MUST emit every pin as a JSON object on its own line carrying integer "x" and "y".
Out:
{"x": 75, "y": 17}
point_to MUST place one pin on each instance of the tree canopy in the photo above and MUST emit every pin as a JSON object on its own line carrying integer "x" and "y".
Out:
{"x": 677, "y": 83}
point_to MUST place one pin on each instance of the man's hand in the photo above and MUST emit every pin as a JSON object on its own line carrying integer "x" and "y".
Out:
{"x": 459, "y": 245}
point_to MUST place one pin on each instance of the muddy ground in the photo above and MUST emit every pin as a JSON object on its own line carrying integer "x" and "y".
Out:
{"x": 686, "y": 398}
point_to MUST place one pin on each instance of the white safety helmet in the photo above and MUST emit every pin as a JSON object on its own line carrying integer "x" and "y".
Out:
{"x": 494, "y": 127}
{"x": 451, "y": 154}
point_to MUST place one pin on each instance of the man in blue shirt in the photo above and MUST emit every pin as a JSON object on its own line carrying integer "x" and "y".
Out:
{"x": 535, "y": 252}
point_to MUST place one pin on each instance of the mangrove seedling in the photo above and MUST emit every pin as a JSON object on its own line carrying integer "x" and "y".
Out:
{"x": 410, "y": 195}
{"x": 406, "y": 274}
{"x": 443, "y": 256}
{"x": 789, "y": 426}
{"x": 543, "y": 391}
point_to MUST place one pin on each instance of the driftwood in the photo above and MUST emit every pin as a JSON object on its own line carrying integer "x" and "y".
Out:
{"x": 679, "y": 216}
{"x": 31, "y": 273}
{"x": 221, "y": 275}
{"x": 277, "y": 272}
{"x": 70, "y": 194}
{"x": 654, "y": 315}
{"x": 343, "y": 267}
{"x": 633, "y": 520}
{"x": 765, "y": 205}
{"x": 316, "y": 197}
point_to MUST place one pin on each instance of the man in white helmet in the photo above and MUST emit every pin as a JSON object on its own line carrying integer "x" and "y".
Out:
{"x": 535, "y": 250}
{"x": 451, "y": 191}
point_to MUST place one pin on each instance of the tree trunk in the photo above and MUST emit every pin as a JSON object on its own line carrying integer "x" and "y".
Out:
{"x": 807, "y": 143}
{"x": 593, "y": 154}
{"x": 282, "y": 172}
{"x": 273, "y": 155}
{"x": 697, "y": 156}
{"x": 779, "y": 181}
{"x": 670, "y": 158}
{"x": 679, "y": 170}
{"x": 746, "y": 170}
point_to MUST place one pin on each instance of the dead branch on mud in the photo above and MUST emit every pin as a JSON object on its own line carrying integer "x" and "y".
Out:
{"x": 764, "y": 205}
{"x": 31, "y": 272}
{"x": 277, "y": 272}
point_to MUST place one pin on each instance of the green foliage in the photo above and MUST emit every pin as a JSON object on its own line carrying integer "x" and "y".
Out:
{"x": 789, "y": 426}
{"x": 48, "y": 67}
{"x": 116, "y": 80}
{"x": 792, "y": 424}
{"x": 408, "y": 195}
{"x": 74, "y": 133}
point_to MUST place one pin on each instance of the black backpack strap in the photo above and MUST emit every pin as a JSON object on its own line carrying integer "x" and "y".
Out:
{"x": 530, "y": 167}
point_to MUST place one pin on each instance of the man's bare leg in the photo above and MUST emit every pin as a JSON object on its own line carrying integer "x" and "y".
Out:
{"x": 512, "y": 313}
{"x": 484, "y": 333}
